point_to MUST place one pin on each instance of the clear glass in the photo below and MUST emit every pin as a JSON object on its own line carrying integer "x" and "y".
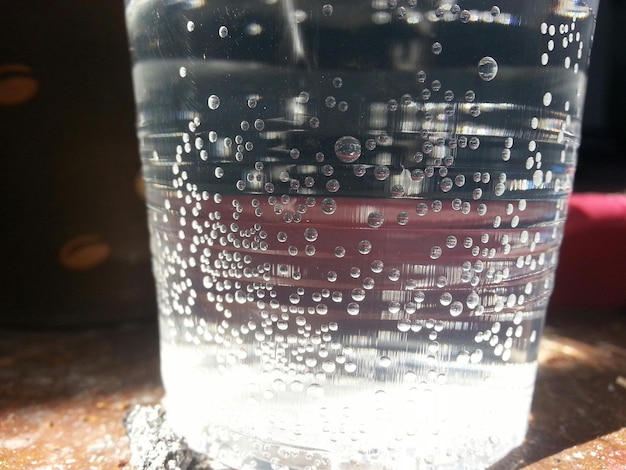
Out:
{"x": 355, "y": 210}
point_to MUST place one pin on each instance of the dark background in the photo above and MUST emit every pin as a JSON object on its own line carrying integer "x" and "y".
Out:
{"x": 602, "y": 160}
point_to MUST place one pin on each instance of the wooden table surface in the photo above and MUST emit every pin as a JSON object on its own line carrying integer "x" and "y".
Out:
{"x": 64, "y": 394}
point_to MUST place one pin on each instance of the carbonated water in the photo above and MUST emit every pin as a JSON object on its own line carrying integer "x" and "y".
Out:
{"x": 355, "y": 212}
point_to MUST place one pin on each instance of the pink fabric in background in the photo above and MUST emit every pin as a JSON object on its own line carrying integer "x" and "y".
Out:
{"x": 592, "y": 269}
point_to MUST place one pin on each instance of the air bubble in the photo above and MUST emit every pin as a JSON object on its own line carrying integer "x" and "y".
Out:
{"x": 348, "y": 149}
{"x": 381, "y": 172}
{"x": 359, "y": 170}
{"x": 375, "y": 219}
{"x": 310, "y": 234}
{"x": 377, "y": 266}
{"x": 403, "y": 326}
{"x": 384, "y": 361}
{"x": 223, "y": 31}
{"x": 213, "y": 102}
{"x": 329, "y": 206}
{"x": 402, "y": 218}
{"x": 417, "y": 175}
{"x": 451, "y": 241}
{"x": 352, "y": 309}
{"x": 332, "y": 185}
{"x": 436, "y": 48}
{"x": 259, "y": 125}
{"x": 397, "y": 190}
{"x": 190, "y": 26}
{"x": 472, "y": 300}
{"x": 547, "y": 99}
{"x": 303, "y": 97}
{"x": 315, "y": 391}
{"x": 364, "y": 247}
{"x": 446, "y": 184}
{"x": 487, "y": 68}
{"x": 410, "y": 377}
{"x": 476, "y": 356}
{"x": 456, "y": 308}
{"x": 435, "y": 252}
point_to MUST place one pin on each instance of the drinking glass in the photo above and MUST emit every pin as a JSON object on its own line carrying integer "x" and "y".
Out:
{"x": 355, "y": 210}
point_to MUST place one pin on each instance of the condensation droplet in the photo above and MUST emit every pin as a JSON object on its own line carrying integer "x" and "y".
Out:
{"x": 223, "y": 32}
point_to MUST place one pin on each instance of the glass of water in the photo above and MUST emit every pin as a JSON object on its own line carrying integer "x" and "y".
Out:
{"x": 355, "y": 210}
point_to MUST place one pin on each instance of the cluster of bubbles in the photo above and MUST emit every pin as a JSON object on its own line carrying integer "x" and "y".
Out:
{"x": 430, "y": 219}
{"x": 349, "y": 150}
